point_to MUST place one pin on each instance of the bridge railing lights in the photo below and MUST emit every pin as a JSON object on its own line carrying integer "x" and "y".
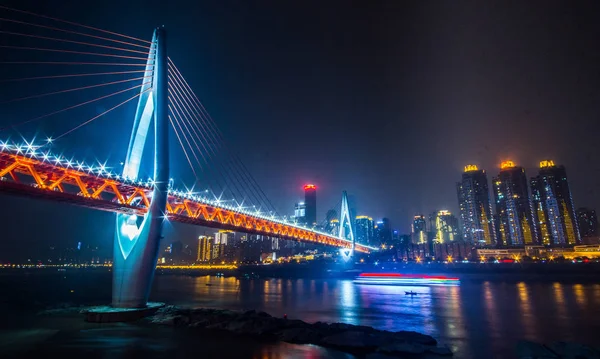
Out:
{"x": 101, "y": 170}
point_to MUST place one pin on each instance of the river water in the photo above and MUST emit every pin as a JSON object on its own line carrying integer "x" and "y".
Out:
{"x": 477, "y": 319}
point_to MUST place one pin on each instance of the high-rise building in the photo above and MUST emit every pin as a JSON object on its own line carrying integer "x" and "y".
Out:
{"x": 588, "y": 222}
{"x": 330, "y": 216}
{"x": 226, "y": 243}
{"x": 334, "y": 227}
{"x": 300, "y": 213}
{"x": 553, "y": 206}
{"x": 204, "y": 249}
{"x": 365, "y": 230}
{"x": 516, "y": 224}
{"x": 444, "y": 226}
{"x": 383, "y": 231}
{"x": 476, "y": 207}
{"x": 419, "y": 230}
{"x": 310, "y": 199}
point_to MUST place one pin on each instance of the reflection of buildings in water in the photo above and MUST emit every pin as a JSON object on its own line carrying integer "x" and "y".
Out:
{"x": 348, "y": 310}
{"x": 218, "y": 288}
{"x": 266, "y": 286}
{"x": 454, "y": 311}
{"x": 272, "y": 293}
{"x": 491, "y": 314}
{"x": 561, "y": 305}
{"x": 299, "y": 288}
{"x": 580, "y": 296}
{"x": 525, "y": 309}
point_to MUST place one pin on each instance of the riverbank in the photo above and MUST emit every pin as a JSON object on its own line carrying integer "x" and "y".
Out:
{"x": 354, "y": 339}
{"x": 57, "y": 329}
{"x": 565, "y": 272}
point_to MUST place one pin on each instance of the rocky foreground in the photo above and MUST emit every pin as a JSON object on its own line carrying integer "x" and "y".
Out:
{"x": 345, "y": 337}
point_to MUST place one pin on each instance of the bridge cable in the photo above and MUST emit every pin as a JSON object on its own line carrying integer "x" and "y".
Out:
{"x": 69, "y": 63}
{"x": 215, "y": 133}
{"x": 101, "y": 114}
{"x": 208, "y": 131}
{"x": 73, "y": 89}
{"x": 73, "y": 42}
{"x": 73, "y": 75}
{"x": 235, "y": 170}
{"x": 183, "y": 134}
{"x": 196, "y": 139}
{"x": 72, "y": 107}
{"x": 211, "y": 123}
{"x": 232, "y": 183}
{"x": 182, "y": 147}
{"x": 71, "y": 52}
{"x": 76, "y": 33}
{"x": 200, "y": 133}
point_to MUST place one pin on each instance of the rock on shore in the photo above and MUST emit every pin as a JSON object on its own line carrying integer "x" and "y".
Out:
{"x": 345, "y": 337}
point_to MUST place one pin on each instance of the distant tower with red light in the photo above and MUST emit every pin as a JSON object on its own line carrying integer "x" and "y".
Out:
{"x": 310, "y": 200}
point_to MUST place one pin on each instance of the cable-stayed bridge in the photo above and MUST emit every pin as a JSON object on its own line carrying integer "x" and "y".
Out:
{"x": 93, "y": 60}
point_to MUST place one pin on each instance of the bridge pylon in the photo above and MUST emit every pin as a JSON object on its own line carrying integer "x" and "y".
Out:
{"x": 136, "y": 245}
{"x": 345, "y": 219}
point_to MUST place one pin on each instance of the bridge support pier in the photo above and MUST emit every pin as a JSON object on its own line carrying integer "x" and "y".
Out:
{"x": 136, "y": 246}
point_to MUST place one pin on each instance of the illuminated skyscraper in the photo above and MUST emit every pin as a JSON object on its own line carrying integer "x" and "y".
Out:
{"x": 553, "y": 206}
{"x": 334, "y": 227}
{"x": 204, "y": 249}
{"x": 300, "y": 213}
{"x": 419, "y": 230}
{"x": 516, "y": 224}
{"x": 310, "y": 199}
{"x": 224, "y": 245}
{"x": 365, "y": 231}
{"x": 476, "y": 207}
{"x": 444, "y": 225}
{"x": 329, "y": 217}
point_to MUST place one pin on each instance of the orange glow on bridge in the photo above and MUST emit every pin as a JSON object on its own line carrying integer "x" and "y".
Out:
{"x": 32, "y": 177}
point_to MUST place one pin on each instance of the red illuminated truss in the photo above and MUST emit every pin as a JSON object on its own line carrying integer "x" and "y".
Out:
{"x": 31, "y": 177}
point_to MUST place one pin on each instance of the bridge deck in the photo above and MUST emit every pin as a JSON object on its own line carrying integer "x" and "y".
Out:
{"x": 83, "y": 186}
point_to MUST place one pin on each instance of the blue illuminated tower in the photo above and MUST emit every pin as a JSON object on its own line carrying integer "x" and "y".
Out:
{"x": 553, "y": 206}
{"x": 136, "y": 246}
{"x": 516, "y": 224}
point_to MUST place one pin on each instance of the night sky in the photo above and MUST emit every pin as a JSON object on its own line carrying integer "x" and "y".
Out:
{"x": 387, "y": 100}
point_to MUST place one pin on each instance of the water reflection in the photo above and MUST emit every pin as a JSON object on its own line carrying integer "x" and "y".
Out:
{"x": 527, "y": 317}
{"x": 454, "y": 323}
{"x": 348, "y": 303}
{"x": 580, "y": 296}
{"x": 559, "y": 299}
{"x": 474, "y": 318}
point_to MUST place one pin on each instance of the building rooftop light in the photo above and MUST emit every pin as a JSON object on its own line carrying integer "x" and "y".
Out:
{"x": 471, "y": 168}
{"x": 546, "y": 163}
{"x": 507, "y": 164}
